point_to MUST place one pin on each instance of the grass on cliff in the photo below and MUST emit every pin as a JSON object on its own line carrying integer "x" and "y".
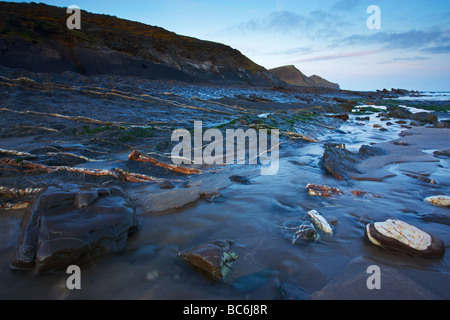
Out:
{"x": 43, "y": 23}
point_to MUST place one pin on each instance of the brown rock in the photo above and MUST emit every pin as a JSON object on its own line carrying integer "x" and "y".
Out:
{"x": 140, "y": 157}
{"x": 322, "y": 191}
{"x": 397, "y": 235}
{"x": 214, "y": 260}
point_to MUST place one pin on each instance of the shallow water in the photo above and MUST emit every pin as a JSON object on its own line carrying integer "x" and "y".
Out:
{"x": 428, "y": 96}
{"x": 251, "y": 216}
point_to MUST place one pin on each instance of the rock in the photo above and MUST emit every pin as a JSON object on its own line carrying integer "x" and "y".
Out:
{"x": 339, "y": 162}
{"x": 240, "y": 179}
{"x": 169, "y": 199}
{"x": 344, "y": 116}
{"x": 300, "y": 230}
{"x": 401, "y": 143}
{"x": 436, "y": 218}
{"x": 399, "y": 113}
{"x": 322, "y": 191}
{"x": 396, "y": 284}
{"x": 215, "y": 260}
{"x": 253, "y": 281}
{"x": 15, "y": 153}
{"x": 62, "y": 159}
{"x": 399, "y": 236}
{"x": 14, "y": 193}
{"x": 144, "y": 158}
{"x": 368, "y": 151}
{"x": 420, "y": 178}
{"x": 166, "y": 185}
{"x": 197, "y": 188}
{"x": 332, "y": 220}
{"x": 69, "y": 225}
{"x": 438, "y": 201}
{"x": 442, "y": 153}
{"x": 215, "y": 197}
{"x": 343, "y": 164}
{"x": 288, "y": 291}
{"x": 320, "y": 222}
{"x": 364, "y": 194}
{"x": 11, "y": 205}
{"x": 424, "y": 117}
{"x": 401, "y": 92}
{"x": 334, "y": 145}
{"x": 36, "y": 168}
{"x": 443, "y": 124}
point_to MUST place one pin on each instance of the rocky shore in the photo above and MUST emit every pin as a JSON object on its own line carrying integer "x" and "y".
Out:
{"x": 86, "y": 178}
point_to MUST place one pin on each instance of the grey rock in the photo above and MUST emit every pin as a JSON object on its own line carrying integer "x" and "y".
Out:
{"x": 289, "y": 291}
{"x": 68, "y": 225}
{"x": 396, "y": 284}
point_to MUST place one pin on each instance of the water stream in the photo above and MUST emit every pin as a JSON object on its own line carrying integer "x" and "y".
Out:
{"x": 251, "y": 216}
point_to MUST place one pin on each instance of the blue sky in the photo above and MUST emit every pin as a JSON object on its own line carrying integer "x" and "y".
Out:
{"x": 325, "y": 37}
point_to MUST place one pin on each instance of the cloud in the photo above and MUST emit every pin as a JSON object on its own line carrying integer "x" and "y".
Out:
{"x": 288, "y": 22}
{"x": 325, "y": 29}
{"x": 437, "y": 49}
{"x": 412, "y": 39}
{"x": 408, "y": 59}
{"x": 345, "y": 5}
{"x": 292, "y": 51}
{"x": 339, "y": 56}
{"x": 411, "y": 59}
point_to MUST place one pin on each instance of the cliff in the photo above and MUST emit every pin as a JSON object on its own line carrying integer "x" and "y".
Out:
{"x": 35, "y": 37}
{"x": 293, "y": 76}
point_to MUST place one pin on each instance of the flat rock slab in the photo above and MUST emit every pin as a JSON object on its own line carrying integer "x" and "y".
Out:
{"x": 154, "y": 200}
{"x": 418, "y": 139}
{"x": 371, "y": 163}
{"x": 69, "y": 225}
{"x": 162, "y": 201}
{"x": 396, "y": 284}
{"x": 427, "y": 138}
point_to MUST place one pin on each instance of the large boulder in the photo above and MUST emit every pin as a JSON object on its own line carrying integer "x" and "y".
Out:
{"x": 68, "y": 225}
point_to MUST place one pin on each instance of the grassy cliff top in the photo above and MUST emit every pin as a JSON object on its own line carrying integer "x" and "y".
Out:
{"x": 43, "y": 24}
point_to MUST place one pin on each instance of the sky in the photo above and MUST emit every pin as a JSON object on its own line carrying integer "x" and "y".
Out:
{"x": 329, "y": 38}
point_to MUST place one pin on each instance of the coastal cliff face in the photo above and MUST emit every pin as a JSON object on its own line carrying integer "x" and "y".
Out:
{"x": 293, "y": 76}
{"x": 35, "y": 37}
